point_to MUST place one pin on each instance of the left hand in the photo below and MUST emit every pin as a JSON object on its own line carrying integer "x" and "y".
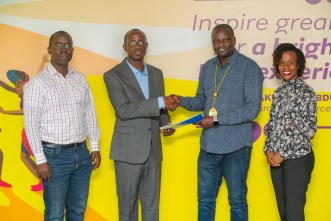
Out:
{"x": 168, "y": 132}
{"x": 96, "y": 159}
{"x": 170, "y": 103}
{"x": 277, "y": 158}
{"x": 206, "y": 122}
{"x": 270, "y": 161}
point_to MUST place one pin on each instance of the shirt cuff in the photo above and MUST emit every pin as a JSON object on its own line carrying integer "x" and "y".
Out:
{"x": 94, "y": 146}
{"x": 160, "y": 102}
{"x": 40, "y": 158}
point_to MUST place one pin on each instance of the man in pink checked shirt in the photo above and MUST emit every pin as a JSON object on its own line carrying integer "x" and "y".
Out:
{"x": 59, "y": 113}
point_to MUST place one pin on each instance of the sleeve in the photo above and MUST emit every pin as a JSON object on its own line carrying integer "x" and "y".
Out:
{"x": 301, "y": 126}
{"x": 160, "y": 101}
{"x": 93, "y": 131}
{"x": 196, "y": 103}
{"x": 32, "y": 103}
{"x": 305, "y": 121}
{"x": 252, "y": 93}
{"x": 164, "y": 115}
{"x": 268, "y": 145}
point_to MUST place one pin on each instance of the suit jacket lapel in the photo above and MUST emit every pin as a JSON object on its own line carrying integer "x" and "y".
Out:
{"x": 130, "y": 75}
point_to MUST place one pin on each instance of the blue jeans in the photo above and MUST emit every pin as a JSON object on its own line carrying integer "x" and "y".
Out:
{"x": 68, "y": 188}
{"x": 233, "y": 167}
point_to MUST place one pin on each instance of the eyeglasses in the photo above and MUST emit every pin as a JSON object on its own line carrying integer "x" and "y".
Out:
{"x": 135, "y": 43}
{"x": 66, "y": 46}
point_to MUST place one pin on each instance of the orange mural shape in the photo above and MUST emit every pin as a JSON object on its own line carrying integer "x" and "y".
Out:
{"x": 29, "y": 47}
{"x": 18, "y": 209}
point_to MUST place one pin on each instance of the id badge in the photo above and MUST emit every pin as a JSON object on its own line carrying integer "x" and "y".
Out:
{"x": 213, "y": 112}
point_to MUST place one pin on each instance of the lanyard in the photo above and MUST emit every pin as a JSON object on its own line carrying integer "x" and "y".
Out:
{"x": 219, "y": 86}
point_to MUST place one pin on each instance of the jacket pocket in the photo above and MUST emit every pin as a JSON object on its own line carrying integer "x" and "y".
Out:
{"x": 125, "y": 130}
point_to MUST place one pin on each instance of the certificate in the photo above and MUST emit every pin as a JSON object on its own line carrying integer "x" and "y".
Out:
{"x": 188, "y": 121}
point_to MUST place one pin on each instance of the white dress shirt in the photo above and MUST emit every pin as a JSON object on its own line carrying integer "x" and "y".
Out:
{"x": 59, "y": 110}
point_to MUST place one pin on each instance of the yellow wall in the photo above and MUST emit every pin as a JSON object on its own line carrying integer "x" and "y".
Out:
{"x": 179, "y": 172}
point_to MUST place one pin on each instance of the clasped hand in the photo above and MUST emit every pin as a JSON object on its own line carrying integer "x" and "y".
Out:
{"x": 171, "y": 102}
{"x": 274, "y": 159}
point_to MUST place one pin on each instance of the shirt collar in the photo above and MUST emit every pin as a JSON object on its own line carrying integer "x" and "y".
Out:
{"x": 51, "y": 69}
{"x": 135, "y": 70}
{"x": 232, "y": 61}
{"x": 293, "y": 81}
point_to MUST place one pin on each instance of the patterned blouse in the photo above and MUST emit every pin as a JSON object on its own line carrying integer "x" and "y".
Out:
{"x": 292, "y": 122}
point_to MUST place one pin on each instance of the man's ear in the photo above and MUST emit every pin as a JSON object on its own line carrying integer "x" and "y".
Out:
{"x": 124, "y": 47}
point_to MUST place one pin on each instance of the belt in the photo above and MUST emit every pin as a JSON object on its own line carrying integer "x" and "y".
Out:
{"x": 53, "y": 145}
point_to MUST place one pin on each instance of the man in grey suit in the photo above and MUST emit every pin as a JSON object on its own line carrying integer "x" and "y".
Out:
{"x": 136, "y": 91}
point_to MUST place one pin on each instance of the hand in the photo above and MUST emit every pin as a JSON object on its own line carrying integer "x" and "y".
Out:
{"x": 278, "y": 159}
{"x": 170, "y": 103}
{"x": 176, "y": 98}
{"x": 168, "y": 132}
{"x": 44, "y": 171}
{"x": 206, "y": 122}
{"x": 269, "y": 156}
{"x": 96, "y": 159}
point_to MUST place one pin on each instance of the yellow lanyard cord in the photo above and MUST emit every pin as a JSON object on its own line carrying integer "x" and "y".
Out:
{"x": 219, "y": 86}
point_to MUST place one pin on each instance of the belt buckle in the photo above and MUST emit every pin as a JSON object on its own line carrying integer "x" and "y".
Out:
{"x": 50, "y": 145}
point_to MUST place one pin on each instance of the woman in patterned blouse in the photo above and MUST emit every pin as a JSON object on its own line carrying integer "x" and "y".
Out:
{"x": 291, "y": 127}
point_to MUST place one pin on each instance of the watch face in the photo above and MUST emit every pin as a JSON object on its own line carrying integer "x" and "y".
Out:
{"x": 216, "y": 123}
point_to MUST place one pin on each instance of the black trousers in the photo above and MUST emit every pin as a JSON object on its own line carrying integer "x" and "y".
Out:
{"x": 290, "y": 182}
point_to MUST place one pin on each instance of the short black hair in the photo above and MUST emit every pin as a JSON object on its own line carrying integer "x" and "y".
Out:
{"x": 51, "y": 39}
{"x": 133, "y": 30}
{"x": 277, "y": 55}
{"x": 223, "y": 26}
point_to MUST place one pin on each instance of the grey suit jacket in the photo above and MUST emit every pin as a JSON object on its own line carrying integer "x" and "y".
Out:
{"x": 137, "y": 119}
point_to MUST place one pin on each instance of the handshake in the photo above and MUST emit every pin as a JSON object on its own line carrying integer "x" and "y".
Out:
{"x": 171, "y": 102}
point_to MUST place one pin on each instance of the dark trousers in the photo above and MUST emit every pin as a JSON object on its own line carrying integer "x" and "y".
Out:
{"x": 290, "y": 182}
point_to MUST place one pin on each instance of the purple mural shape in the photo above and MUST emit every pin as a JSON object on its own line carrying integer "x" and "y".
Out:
{"x": 256, "y": 131}
{"x": 265, "y": 129}
{"x": 313, "y": 2}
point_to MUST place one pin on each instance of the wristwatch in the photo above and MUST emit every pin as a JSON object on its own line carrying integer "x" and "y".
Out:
{"x": 216, "y": 123}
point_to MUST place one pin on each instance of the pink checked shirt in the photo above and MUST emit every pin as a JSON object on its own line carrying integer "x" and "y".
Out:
{"x": 59, "y": 110}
